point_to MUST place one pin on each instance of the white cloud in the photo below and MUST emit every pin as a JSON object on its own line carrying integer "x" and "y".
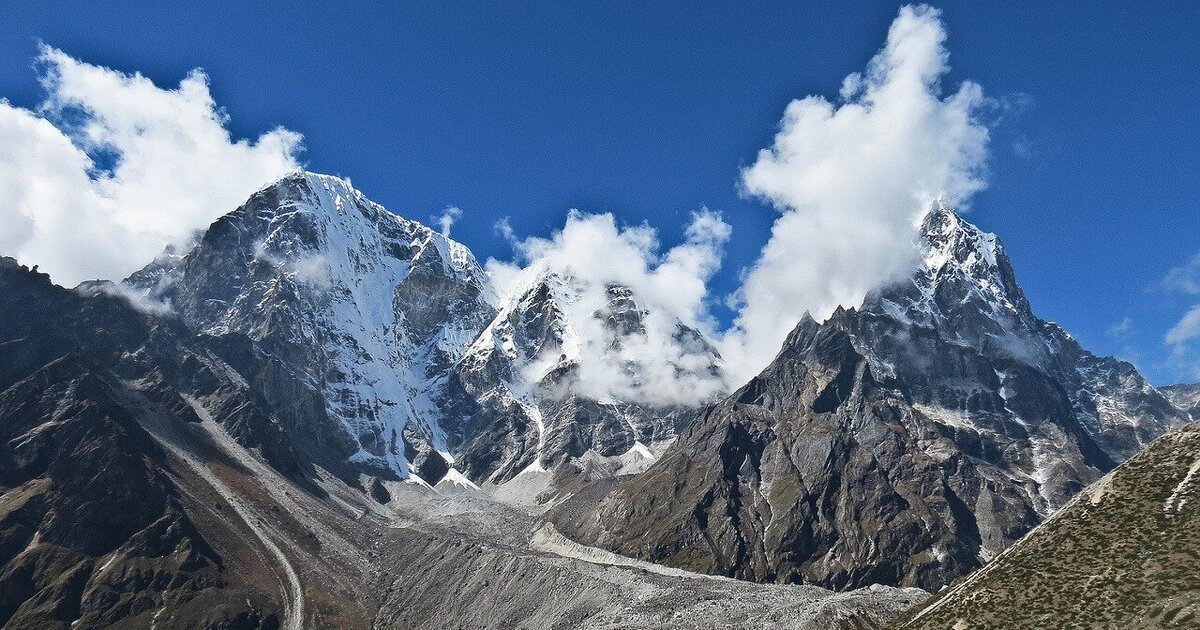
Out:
{"x": 1186, "y": 329}
{"x": 447, "y": 219}
{"x": 174, "y": 169}
{"x": 1121, "y": 329}
{"x": 137, "y": 299}
{"x": 503, "y": 228}
{"x": 593, "y": 253}
{"x": 311, "y": 270}
{"x": 852, "y": 181}
{"x": 1184, "y": 279}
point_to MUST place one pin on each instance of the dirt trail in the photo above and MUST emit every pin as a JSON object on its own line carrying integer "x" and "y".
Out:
{"x": 547, "y": 538}
{"x": 289, "y": 581}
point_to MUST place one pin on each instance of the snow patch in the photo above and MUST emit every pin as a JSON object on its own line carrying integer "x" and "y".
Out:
{"x": 1178, "y": 496}
{"x": 455, "y": 478}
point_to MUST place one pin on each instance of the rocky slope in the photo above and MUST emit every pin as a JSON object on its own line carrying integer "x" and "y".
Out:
{"x": 906, "y": 442}
{"x": 1185, "y": 396}
{"x": 1123, "y": 554}
{"x": 93, "y": 524}
{"x": 463, "y": 561}
{"x": 142, "y": 484}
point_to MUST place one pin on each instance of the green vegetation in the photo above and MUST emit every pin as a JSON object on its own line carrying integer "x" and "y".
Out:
{"x": 1124, "y": 554}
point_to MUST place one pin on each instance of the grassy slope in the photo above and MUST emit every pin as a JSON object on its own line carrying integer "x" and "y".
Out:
{"x": 1124, "y": 554}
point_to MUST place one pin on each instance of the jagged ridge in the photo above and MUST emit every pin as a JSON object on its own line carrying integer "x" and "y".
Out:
{"x": 906, "y": 442}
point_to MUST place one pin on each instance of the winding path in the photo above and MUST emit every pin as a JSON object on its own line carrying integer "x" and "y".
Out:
{"x": 289, "y": 580}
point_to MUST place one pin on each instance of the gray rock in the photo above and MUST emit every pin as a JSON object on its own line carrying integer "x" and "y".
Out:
{"x": 1185, "y": 396}
{"x": 1124, "y": 553}
{"x": 382, "y": 342}
{"x": 361, "y": 312}
{"x": 903, "y": 443}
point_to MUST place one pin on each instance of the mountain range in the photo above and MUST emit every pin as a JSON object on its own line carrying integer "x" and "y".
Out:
{"x": 907, "y": 442}
{"x": 322, "y": 414}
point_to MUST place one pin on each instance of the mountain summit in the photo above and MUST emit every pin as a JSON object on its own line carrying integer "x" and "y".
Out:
{"x": 390, "y": 343}
{"x": 904, "y": 442}
{"x": 362, "y": 309}
{"x": 320, "y": 391}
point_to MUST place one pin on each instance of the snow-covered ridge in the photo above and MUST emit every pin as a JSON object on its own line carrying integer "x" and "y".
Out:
{"x": 563, "y": 359}
{"x": 961, "y": 336}
{"x": 382, "y": 340}
{"x": 962, "y": 261}
{"x": 370, "y": 307}
{"x": 416, "y": 359}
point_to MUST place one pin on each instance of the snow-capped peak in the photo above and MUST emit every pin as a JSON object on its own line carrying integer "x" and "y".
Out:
{"x": 373, "y": 308}
{"x": 963, "y": 271}
{"x": 946, "y": 239}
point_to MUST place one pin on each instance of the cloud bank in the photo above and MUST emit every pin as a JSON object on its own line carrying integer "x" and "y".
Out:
{"x": 590, "y": 254}
{"x": 852, "y": 180}
{"x": 110, "y": 169}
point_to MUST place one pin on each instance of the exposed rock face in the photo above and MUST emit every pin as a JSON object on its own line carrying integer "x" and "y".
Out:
{"x": 175, "y": 464}
{"x": 123, "y": 502}
{"x": 518, "y": 384}
{"x": 383, "y": 343}
{"x": 1185, "y": 396}
{"x": 1123, "y": 554}
{"x": 92, "y": 529}
{"x": 905, "y": 443}
{"x": 362, "y": 310}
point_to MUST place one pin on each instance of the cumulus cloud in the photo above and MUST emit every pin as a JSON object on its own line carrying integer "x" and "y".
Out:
{"x": 447, "y": 219}
{"x": 590, "y": 256}
{"x": 852, "y": 179}
{"x": 110, "y": 169}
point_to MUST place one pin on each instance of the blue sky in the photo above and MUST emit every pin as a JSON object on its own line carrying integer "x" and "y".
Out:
{"x": 649, "y": 110}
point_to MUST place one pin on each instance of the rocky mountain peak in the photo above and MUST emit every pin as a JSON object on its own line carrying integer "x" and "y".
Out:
{"x": 366, "y": 308}
{"x": 1185, "y": 396}
{"x": 906, "y": 442}
{"x": 416, "y": 364}
{"x": 964, "y": 272}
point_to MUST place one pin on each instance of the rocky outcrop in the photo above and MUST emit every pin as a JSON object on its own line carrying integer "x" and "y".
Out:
{"x": 1185, "y": 396}
{"x": 905, "y": 443}
{"x": 383, "y": 342}
{"x": 92, "y": 528}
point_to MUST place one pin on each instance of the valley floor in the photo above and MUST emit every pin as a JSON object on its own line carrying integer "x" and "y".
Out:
{"x": 471, "y": 570}
{"x": 457, "y": 557}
